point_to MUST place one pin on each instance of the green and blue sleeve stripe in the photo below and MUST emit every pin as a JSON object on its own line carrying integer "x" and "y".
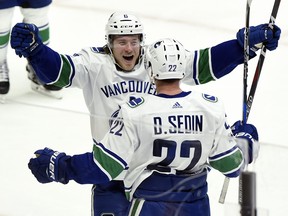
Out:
{"x": 57, "y": 69}
{"x": 216, "y": 62}
{"x": 229, "y": 162}
{"x": 109, "y": 161}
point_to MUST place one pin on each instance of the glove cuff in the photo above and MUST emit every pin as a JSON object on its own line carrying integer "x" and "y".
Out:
{"x": 35, "y": 48}
{"x": 248, "y": 146}
{"x": 56, "y": 167}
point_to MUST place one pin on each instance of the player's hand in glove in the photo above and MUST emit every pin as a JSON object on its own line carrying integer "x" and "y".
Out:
{"x": 25, "y": 40}
{"x": 49, "y": 166}
{"x": 258, "y": 35}
{"x": 247, "y": 133}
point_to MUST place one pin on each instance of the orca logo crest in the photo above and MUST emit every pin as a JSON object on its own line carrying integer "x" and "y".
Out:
{"x": 136, "y": 102}
{"x": 210, "y": 98}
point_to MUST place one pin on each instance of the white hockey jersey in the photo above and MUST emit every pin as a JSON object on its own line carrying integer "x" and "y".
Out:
{"x": 105, "y": 88}
{"x": 171, "y": 135}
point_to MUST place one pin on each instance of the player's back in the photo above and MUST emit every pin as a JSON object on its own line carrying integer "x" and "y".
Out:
{"x": 176, "y": 134}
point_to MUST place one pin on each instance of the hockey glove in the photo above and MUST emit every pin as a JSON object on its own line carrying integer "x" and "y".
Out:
{"x": 25, "y": 39}
{"x": 49, "y": 166}
{"x": 247, "y": 133}
{"x": 258, "y": 35}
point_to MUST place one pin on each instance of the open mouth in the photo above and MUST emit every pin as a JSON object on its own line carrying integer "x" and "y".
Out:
{"x": 128, "y": 58}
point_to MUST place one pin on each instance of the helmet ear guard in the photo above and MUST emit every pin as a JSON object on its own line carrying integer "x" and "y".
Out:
{"x": 166, "y": 59}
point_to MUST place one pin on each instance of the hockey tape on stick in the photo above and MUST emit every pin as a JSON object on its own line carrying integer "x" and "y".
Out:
{"x": 224, "y": 190}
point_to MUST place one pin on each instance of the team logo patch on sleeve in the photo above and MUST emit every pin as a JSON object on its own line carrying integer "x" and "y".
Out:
{"x": 136, "y": 102}
{"x": 210, "y": 98}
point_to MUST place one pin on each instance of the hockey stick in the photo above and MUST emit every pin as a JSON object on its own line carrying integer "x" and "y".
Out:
{"x": 224, "y": 190}
{"x": 247, "y": 180}
{"x": 246, "y": 59}
{"x": 248, "y": 104}
{"x": 245, "y": 75}
{"x": 261, "y": 60}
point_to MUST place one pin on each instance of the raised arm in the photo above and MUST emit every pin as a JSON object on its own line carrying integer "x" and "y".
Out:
{"x": 232, "y": 51}
{"x": 26, "y": 42}
{"x": 217, "y": 61}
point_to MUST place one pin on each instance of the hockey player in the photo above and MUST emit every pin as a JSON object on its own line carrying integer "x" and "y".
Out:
{"x": 115, "y": 73}
{"x": 159, "y": 145}
{"x": 33, "y": 12}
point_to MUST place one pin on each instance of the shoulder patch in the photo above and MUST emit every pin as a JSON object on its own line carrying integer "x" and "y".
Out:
{"x": 97, "y": 49}
{"x": 210, "y": 98}
{"x": 136, "y": 102}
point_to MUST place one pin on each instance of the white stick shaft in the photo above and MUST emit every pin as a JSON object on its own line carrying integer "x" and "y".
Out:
{"x": 224, "y": 190}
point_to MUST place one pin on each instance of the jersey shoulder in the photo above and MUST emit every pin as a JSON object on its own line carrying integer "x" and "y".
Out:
{"x": 209, "y": 98}
{"x": 91, "y": 51}
{"x": 100, "y": 50}
{"x": 209, "y": 101}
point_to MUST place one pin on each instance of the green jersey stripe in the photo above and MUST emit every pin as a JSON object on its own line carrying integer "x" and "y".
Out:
{"x": 4, "y": 39}
{"x": 65, "y": 74}
{"x": 113, "y": 167}
{"x": 136, "y": 207}
{"x": 205, "y": 74}
{"x": 228, "y": 163}
{"x": 45, "y": 34}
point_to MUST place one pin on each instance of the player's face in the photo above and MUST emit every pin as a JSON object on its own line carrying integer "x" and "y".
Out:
{"x": 126, "y": 51}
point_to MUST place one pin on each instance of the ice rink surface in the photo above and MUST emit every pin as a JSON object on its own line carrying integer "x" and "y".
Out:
{"x": 29, "y": 121}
